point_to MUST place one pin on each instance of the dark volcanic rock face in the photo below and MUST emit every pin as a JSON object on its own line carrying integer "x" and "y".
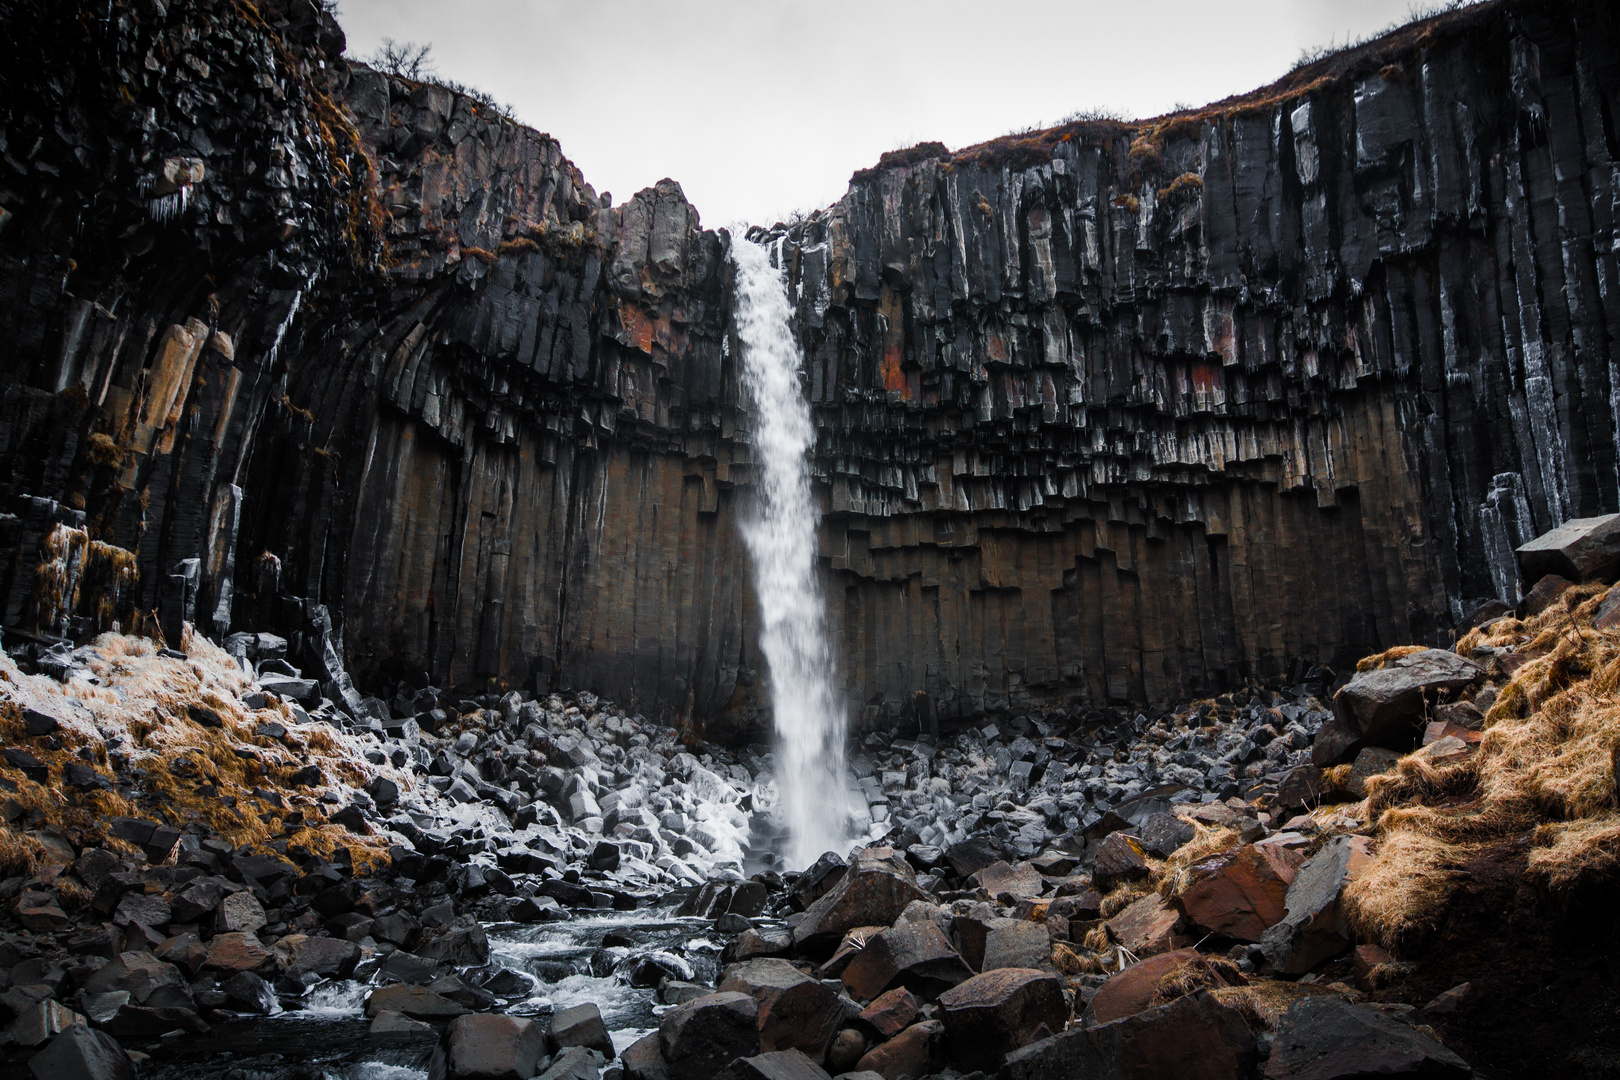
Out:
{"x": 1107, "y": 414}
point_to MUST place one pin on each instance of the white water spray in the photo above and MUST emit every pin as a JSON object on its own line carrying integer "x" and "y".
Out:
{"x": 810, "y": 725}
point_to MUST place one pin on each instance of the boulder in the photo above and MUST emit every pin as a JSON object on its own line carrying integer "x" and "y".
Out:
{"x": 996, "y": 1012}
{"x": 248, "y": 992}
{"x": 848, "y": 1047}
{"x": 1303, "y": 788}
{"x": 1584, "y": 549}
{"x": 1544, "y": 594}
{"x": 1237, "y": 894}
{"x": 1147, "y": 926}
{"x": 1192, "y": 1038}
{"x": 581, "y": 1025}
{"x": 644, "y": 1059}
{"x": 702, "y": 1036}
{"x": 796, "y": 1012}
{"x": 40, "y": 1021}
{"x": 416, "y": 1002}
{"x": 1327, "y": 1038}
{"x": 1313, "y": 928}
{"x": 574, "y": 1063}
{"x": 849, "y": 948}
{"x": 490, "y": 1046}
{"x": 1164, "y": 833}
{"x": 817, "y": 881}
{"x": 915, "y": 955}
{"x": 917, "y": 1051}
{"x": 82, "y": 1053}
{"x": 389, "y": 1026}
{"x": 1119, "y": 858}
{"x": 237, "y": 952}
{"x": 775, "y": 1065}
{"x": 1015, "y": 943}
{"x": 1128, "y": 992}
{"x": 1607, "y": 617}
{"x": 872, "y": 892}
{"x": 1008, "y": 884}
{"x": 1370, "y": 761}
{"x": 239, "y": 912}
{"x": 144, "y": 976}
{"x": 325, "y": 956}
{"x": 1386, "y": 704}
{"x": 891, "y": 1013}
{"x": 972, "y": 855}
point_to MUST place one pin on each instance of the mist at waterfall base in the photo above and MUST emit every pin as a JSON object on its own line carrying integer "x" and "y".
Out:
{"x": 781, "y": 538}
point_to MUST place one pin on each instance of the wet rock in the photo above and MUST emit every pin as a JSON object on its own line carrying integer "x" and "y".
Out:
{"x": 1192, "y": 1038}
{"x": 870, "y": 893}
{"x": 237, "y": 952}
{"x": 330, "y": 958}
{"x": 1237, "y": 894}
{"x": 416, "y": 1002}
{"x": 1583, "y": 549}
{"x": 991, "y": 1014}
{"x": 794, "y": 1010}
{"x": 644, "y": 1059}
{"x": 148, "y": 980}
{"x": 581, "y": 1025}
{"x": 1128, "y": 992}
{"x": 775, "y": 1065}
{"x": 1327, "y": 1038}
{"x": 916, "y": 955}
{"x": 1386, "y": 704}
{"x": 1314, "y": 928}
{"x": 574, "y": 1063}
{"x": 247, "y": 992}
{"x": 82, "y": 1053}
{"x": 240, "y": 912}
{"x": 388, "y": 1026}
{"x": 39, "y": 1022}
{"x": 919, "y": 1050}
{"x": 490, "y": 1046}
{"x": 702, "y": 1036}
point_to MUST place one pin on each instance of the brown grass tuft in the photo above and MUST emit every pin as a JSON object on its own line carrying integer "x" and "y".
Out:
{"x": 1204, "y": 973}
{"x": 1402, "y": 893}
{"x": 1124, "y": 896}
{"x": 1206, "y": 844}
{"x": 1379, "y": 661}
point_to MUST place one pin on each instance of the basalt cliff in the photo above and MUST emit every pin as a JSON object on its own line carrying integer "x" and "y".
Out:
{"x": 1107, "y": 414}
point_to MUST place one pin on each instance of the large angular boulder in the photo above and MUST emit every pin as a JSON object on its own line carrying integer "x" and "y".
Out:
{"x": 1582, "y": 549}
{"x": 1128, "y": 992}
{"x": 581, "y": 1025}
{"x": 1385, "y": 705}
{"x": 991, "y": 1014}
{"x": 891, "y": 1013}
{"x": 1192, "y": 1038}
{"x": 644, "y": 1059}
{"x": 490, "y": 1046}
{"x": 1015, "y": 943}
{"x": 1008, "y": 884}
{"x": 1314, "y": 927}
{"x": 1327, "y": 1038}
{"x": 416, "y": 1002}
{"x": 872, "y": 892}
{"x": 704, "y": 1035}
{"x": 916, "y": 955}
{"x": 1148, "y": 925}
{"x": 1237, "y": 894}
{"x": 82, "y": 1053}
{"x": 774, "y": 1065}
{"x": 796, "y": 1012}
{"x": 917, "y": 1051}
{"x": 574, "y": 1063}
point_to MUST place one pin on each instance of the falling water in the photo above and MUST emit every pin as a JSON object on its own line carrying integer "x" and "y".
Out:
{"x": 810, "y": 727}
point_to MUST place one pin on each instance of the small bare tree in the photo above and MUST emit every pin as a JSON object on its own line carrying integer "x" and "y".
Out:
{"x": 406, "y": 59}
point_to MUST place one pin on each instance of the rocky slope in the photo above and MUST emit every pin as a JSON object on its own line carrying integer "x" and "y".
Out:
{"x": 1106, "y": 413}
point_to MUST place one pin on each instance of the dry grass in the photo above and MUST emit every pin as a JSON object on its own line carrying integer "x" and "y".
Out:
{"x": 1402, "y": 893}
{"x": 1545, "y": 767}
{"x": 1206, "y": 844}
{"x": 176, "y": 769}
{"x": 1124, "y": 896}
{"x": 1204, "y": 973}
{"x": 1379, "y": 661}
{"x": 1072, "y": 961}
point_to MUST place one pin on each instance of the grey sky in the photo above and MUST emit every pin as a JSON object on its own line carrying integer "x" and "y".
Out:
{"x": 761, "y": 107}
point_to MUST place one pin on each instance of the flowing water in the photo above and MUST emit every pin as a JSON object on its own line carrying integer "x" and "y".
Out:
{"x": 810, "y": 724}
{"x": 613, "y": 960}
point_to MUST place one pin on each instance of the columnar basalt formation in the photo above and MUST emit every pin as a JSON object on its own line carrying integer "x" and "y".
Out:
{"x": 1107, "y": 414}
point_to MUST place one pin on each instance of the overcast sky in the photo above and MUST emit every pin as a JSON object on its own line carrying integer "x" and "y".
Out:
{"x": 762, "y": 107}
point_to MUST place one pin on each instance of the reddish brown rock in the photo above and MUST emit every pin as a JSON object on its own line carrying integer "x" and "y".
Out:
{"x": 1119, "y": 858}
{"x": 1192, "y": 1038}
{"x": 872, "y": 892}
{"x": 237, "y": 952}
{"x": 991, "y": 1014}
{"x": 1327, "y": 1038}
{"x": 1586, "y": 549}
{"x": 1128, "y": 992}
{"x": 917, "y": 956}
{"x": 1443, "y": 729}
{"x": 917, "y": 1051}
{"x": 703, "y": 1035}
{"x": 1286, "y": 852}
{"x": 891, "y": 1012}
{"x": 1237, "y": 894}
{"x": 796, "y": 1012}
{"x": 1149, "y": 925}
{"x": 1386, "y": 704}
{"x": 1546, "y": 592}
{"x": 774, "y": 1065}
{"x": 848, "y": 949}
{"x": 1314, "y": 927}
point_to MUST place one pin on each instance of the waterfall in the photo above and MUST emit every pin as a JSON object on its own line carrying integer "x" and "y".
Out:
{"x": 781, "y": 538}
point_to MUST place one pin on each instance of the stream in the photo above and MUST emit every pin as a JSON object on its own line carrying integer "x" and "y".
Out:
{"x": 325, "y": 1035}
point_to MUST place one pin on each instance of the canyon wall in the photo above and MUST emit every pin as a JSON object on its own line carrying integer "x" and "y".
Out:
{"x": 1107, "y": 414}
